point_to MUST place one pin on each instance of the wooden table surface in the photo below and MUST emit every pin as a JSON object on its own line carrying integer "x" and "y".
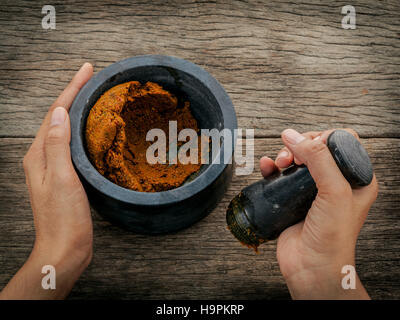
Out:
{"x": 283, "y": 63}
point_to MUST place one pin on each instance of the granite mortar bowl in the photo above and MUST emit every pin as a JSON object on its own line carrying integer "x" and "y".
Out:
{"x": 175, "y": 209}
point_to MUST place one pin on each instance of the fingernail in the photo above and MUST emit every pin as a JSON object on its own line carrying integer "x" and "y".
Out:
{"x": 58, "y": 116}
{"x": 282, "y": 154}
{"x": 292, "y": 136}
{"x": 84, "y": 65}
{"x": 317, "y": 138}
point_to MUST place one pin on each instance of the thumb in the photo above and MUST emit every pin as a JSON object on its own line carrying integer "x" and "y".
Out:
{"x": 58, "y": 158}
{"x": 331, "y": 184}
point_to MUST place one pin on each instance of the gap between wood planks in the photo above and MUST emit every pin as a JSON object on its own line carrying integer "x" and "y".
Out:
{"x": 260, "y": 136}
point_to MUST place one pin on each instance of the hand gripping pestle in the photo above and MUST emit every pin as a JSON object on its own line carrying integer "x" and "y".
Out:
{"x": 262, "y": 210}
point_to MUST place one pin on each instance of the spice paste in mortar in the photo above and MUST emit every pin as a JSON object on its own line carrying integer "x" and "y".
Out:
{"x": 116, "y": 131}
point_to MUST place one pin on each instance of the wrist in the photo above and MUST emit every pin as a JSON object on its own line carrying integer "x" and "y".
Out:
{"x": 29, "y": 281}
{"x": 326, "y": 283}
{"x": 65, "y": 253}
{"x": 68, "y": 262}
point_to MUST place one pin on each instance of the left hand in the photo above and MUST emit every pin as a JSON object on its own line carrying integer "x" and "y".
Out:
{"x": 61, "y": 212}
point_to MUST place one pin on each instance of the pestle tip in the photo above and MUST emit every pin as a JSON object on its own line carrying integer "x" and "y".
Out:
{"x": 239, "y": 225}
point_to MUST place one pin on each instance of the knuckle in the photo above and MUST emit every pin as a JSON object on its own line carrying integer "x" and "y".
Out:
{"x": 374, "y": 188}
{"x": 340, "y": 193}
{"x": 26, "y": 162}
{"x": 343, "y": 192}
{"x": 62, "y": 177}
{"x": 54, "y": 136}
{"x": 316, "y": 147}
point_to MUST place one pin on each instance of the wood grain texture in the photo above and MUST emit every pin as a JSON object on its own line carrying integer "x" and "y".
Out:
{"x": 204, "y": 261}
{"x": 282, "y": 62}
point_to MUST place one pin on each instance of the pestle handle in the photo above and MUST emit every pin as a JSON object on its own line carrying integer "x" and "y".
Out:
{"x": 351, "y": 158}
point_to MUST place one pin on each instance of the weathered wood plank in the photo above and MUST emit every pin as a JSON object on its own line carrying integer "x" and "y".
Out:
{"x": 282, "y": 62}
{"x": 204, "y": 261}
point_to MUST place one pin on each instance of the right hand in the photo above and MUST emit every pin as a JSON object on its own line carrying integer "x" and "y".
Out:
{"x": 312, "y": 253}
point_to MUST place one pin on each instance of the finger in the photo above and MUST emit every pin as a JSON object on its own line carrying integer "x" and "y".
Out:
{"x": 285, "y": 157}
{"x": 326, "y": 134}
{"x": 34, "y": 167}
{"x": 267, "y": 166}
{"x": 316, "y": 156}
{"x": 78, "y": 81}
{"x": 35, "y": 160}
{"x": 296, "y": 160}
{"x": 364, "y": 197}
{"x": 65, "y": 99}
{"x": 324, "y": 137}
{"x": 57, "y": 151}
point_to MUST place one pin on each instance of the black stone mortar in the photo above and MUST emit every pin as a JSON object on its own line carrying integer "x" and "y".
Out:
{"x": 175, "y": 209}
